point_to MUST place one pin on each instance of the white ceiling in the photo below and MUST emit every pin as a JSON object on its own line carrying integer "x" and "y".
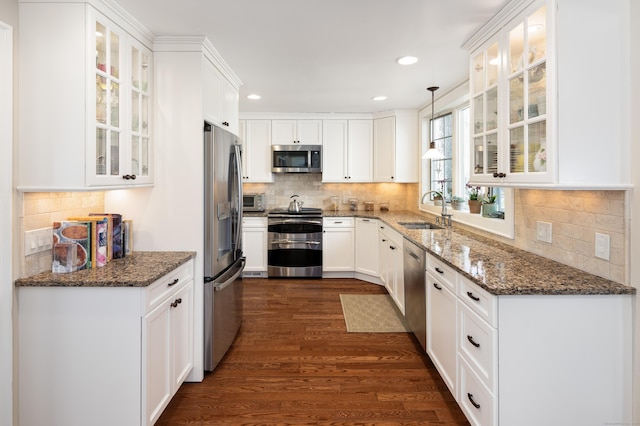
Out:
{"x": 329, "y": 55}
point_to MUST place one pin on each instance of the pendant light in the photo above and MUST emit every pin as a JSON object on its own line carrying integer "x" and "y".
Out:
{"x": 432, "y": 153}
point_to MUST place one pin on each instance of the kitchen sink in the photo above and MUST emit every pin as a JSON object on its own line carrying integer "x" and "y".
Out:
{"x": 419, "y": 225}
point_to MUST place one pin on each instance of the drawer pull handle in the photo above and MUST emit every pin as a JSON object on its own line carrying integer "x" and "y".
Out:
{"x": 392, "y": 247}
{"x": 477, "y": 299}
{"x": 437, "y": 286}
{"x": 440, "y": 271}
{"x": 337, "y": 221}
{"x": 470, "y": 396}
{"x": 473, "y": 342}
{"x": 174, "y": 282}
{"x": 176, "y": 302}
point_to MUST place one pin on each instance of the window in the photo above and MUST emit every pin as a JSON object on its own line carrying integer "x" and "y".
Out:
{"x": 452, "y": 138}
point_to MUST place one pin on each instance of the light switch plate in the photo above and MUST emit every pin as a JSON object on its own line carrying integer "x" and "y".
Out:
{"x": 603, "y": 244}
{"x": 543, "y": 231}
{"x": 38, "y": 240}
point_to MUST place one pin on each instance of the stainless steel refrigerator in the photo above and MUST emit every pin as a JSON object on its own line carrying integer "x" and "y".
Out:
{"x": 223, "y": 262}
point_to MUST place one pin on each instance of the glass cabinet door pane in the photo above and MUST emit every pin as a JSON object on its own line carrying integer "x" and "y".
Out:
{"x": 478, "y": 73}
{"x": 491, "y": 119}
{"x": 537, "y": 35}
{"x": 478, "y": 155}
{"x": 478, "y": 114}
{"x": 493, "y": 63}
{"x": 144, "y": 115}
{"x": 101, "y": 99}
{"x": 516, "y": 49}
{"x": 115, "y": 104}
{"x": 492, "y": 153}
{"x": 101, "y": 47}
{"x": 537, "y": 150}
{"x": 537, "y": 90}
{"x": 135, "y": 155}
{"x": 144, "y": 73}
{"x": 516, "y": 99}
{"x": 101, "y": 152}
{"x": 135, "y": 112}
{"x": 115, "y": 153}
{"x": 135, "y": 67}
{"x": 144, "y": 157}
{"x": 516, "y": 150}
{"x": 115, "y": 55}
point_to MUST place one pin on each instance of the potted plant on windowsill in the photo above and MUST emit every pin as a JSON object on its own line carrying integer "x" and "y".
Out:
{"x": 456, "y": 202}
{"x": 489, "y": 205}
{"x": 475, "y": 202}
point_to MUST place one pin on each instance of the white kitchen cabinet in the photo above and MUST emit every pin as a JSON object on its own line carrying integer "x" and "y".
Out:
{"x": 88, "y": 84}
{"x": 167, "y": 351}
{"x": 255, "y": 136}
{"x": 220, "y": 99}
{"x": 303, "y": 132}
{"x": 535, "y": 123}
{"x": 395, "y": 144}
{"x": 442, "y": 329}
{"x": 338, "y": 245}
{"x": 391, "y": 264}
{"x": 86, "y": 348}
{"x": 347, "y": 151}
{"x": 254, "y": 245}
{"x": 366, "y": 247}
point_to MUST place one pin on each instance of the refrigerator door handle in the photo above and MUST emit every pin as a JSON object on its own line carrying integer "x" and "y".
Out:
{"x": 221, "y": 286}
{"x": 238, "y": 165}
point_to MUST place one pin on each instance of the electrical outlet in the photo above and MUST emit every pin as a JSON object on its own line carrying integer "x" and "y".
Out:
{"x": 38, "y": 240}
{"x": 543, "y": 231}
{"x": 603, "y": 243}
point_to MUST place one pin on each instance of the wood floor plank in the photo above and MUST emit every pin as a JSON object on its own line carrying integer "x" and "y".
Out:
{"x": 293, "y": 363}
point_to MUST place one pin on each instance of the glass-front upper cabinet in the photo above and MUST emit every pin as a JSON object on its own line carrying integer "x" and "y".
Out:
{"x": 122, "y": 154}
{"x": 527, "y": 82}
{"x": 485, "y": 72}
{"x": 509, "y": 86}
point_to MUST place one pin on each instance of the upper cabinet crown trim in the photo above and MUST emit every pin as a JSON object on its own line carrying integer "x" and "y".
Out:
{"x": 197, "y": 44}
{"x": 495, "y": 24}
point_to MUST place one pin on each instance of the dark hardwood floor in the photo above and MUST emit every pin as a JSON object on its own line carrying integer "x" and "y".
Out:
{"x": 294, "y": 363}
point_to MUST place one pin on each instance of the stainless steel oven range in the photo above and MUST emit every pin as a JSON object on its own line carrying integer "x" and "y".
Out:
{"x": 295, "y": 243}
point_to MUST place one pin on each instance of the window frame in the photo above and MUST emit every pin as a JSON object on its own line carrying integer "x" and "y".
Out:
{"x": 455, "y": 102}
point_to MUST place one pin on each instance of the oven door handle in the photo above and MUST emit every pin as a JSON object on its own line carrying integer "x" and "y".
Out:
{"x": 294, "y": 242}
{"x": 294, "y": 221}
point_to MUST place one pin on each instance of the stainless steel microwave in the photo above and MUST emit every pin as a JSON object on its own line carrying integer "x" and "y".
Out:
{"x": 296, "y": 158}
{"x": 253, "y": 202}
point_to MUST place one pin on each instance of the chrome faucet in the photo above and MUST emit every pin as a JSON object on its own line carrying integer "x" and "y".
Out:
{"x": 445, "y": 216}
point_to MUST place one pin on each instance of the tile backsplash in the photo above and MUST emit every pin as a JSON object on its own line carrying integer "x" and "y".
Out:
{"x": 575, "y": 217}
{"x": 41, "y": 209}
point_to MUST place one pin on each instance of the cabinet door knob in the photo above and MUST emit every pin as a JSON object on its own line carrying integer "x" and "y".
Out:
{"x": 499, "y": 175}
{"x": 224, "y": 123}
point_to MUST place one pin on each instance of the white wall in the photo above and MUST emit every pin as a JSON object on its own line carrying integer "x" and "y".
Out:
{"x": 634, "y": 201}
{"x": 8, "y": 88}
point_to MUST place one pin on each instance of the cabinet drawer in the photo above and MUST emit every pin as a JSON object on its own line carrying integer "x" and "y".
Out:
{"x": 391, "y": 234}
{"x": 478, "y": 343}
{"x": 443, "y": 272}
{"x": 254, "y": 222}
{"x": 159, "y": 290}
{"x": 338, "y": 222}
{"x": 477, "y": 402}
{"x": 483, "y": 303}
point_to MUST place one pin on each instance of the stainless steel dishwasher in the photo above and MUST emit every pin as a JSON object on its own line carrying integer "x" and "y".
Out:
{"x": 415, "y": 294}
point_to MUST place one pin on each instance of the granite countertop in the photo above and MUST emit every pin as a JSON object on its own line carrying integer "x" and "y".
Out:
{"x": 499, "y": 268}
{"x": 140, "y": 269}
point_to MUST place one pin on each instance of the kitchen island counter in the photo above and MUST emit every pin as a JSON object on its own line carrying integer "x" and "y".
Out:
{"x": 498, "y": 268}
{"x": 139, "y": 269}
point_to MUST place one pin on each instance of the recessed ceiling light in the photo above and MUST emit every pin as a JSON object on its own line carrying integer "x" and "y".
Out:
{"x": 379, "y": 98}
{"x": 407, "y": 60}
{"x": 253, "y": 97}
